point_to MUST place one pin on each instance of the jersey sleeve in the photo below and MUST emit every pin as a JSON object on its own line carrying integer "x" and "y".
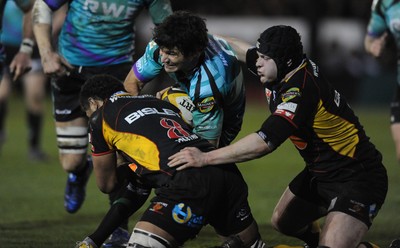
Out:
{"x": 149, "y": 65}
{"x": 376, "y": 25}
{"x": 159, "y": 10}
{"x": 275, "y": 131}
{"x": 99, "y": 145}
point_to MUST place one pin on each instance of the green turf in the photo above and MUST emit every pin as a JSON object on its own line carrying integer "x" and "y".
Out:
{"x": 31, "y": 193}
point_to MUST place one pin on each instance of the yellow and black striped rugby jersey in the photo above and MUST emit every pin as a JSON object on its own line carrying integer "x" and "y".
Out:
{"x": 146, "y": 130}
{"x": 317, "y": 119}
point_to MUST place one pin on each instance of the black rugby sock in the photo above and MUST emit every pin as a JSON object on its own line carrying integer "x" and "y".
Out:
{"x": 34, "y": 127}
{"x": 3, "y": 114}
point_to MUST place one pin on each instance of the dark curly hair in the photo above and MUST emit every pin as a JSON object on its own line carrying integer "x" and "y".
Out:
{"x": 99, "y": 87}
{"x": 183, "y": 30}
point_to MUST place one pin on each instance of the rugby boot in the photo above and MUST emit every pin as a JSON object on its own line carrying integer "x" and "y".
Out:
{"x": 86, "y": 243}
{"x": 369, "y": 244}
{"x": 119, "y": 238}
{"x": 75, "y": 190}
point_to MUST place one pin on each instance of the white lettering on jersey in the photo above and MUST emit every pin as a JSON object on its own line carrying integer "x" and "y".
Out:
{"x": 148, "y": 111}
{"x": 337, "y": 98}
{"x": 290, "y": 106}
{"x": 315, "y": 68}
{"x": 112, "y": 9}
{"x": 106, "y": 9}
{"x": 92, "y": 5}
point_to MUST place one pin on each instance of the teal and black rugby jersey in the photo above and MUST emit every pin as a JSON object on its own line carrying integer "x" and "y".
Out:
{"x": 215, "y": 87}
{"x": 101, "y": 32}
{"x": 385, "y": 16}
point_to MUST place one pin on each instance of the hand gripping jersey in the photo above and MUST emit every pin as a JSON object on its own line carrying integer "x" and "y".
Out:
{"x": 215, "y": 87}
{"x": 385, "y": 16}
{"x": 317, "y": 119}
{"x": 23, "y": 5}
{"x": 101, "y": 32}
{"x": 146, "y": 131}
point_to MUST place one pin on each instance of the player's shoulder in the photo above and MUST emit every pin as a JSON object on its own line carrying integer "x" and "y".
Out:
{"x": 219, "y": 49}
{"x": 152, "y": 48}
{"x": 380, "y": 6}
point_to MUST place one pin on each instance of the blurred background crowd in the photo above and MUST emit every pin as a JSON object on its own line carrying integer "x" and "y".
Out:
{"x": 332, "y": 31}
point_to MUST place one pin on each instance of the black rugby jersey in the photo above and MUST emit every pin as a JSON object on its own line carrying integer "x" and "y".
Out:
{"x": 317, "y": 119}
{"x": 145, "y": 130}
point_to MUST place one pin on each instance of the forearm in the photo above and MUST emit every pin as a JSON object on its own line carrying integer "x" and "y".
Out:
{"x": 42, "y": 22}
{"x": 132, "y": 84}
{"x": 247, "y": 148}
{"x": 368, "y": 44}
{"x": 27, "y": 30}
{"x": 375, "y": 45}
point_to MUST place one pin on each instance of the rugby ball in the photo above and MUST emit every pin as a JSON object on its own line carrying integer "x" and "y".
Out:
{"x": 182, "y": 101}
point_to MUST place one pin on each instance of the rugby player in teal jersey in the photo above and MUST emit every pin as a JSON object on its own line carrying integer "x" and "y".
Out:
{"x": 97, "y": 37}
{"x": 22, "y": 60}
{"x": 385, "y": 21}
{"x": 204, "y": 66}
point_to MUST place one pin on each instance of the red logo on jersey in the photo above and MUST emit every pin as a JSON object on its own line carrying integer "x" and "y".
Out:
{"x": 298, "y": 142}
{"x": 175, "y": 130}
{"x": 284, "y": 113}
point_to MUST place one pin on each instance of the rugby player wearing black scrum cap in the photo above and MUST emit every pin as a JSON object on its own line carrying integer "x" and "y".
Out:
{"x": 343, "y": 179}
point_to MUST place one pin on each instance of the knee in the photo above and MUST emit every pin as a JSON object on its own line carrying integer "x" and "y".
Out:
{"x": 279, "y": 224}
{"x": 144, "y": 239}
{"x": 72, "y": 144}
{"x": 250, "y": 237}
{"x": 72, "y": 162}
{"x": 283, "y": 225}
{"x": 275, "y": 221}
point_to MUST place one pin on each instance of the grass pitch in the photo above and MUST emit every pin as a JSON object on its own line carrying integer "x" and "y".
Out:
{"x": 31, "y": 193}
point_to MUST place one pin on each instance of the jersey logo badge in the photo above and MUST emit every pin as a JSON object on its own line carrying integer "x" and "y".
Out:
{"x": 284, "y": 113}
{"x": 175, "y": 130}
{"x": 181, "y": 213}
{"x": 157, "y": 207}
{"x": 290, "y": 106}
{"x": 291, "y": 94}
{"x": 206, "y": 105}
{"x": 268, "y": 94}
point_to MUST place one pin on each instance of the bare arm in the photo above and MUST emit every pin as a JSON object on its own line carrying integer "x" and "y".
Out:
{"x": 132, "y": 84}
{"x": 375, "y": 45}
{"x": 53, "y": 63}
{"x": 104, "y": 168}
{"x": 250, "y": 147}
{"x": 21, "y": 62}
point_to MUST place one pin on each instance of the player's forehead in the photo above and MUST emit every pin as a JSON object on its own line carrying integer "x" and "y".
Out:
{"x": 263, "y": 56}
{"x": 173, "y": 50}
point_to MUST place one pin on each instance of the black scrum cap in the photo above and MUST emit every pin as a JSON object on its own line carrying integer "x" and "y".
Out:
{"x": 283, "y": 45}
